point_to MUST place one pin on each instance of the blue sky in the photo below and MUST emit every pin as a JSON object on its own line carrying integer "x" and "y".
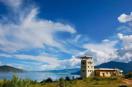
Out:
{"x": 52, "y": 34}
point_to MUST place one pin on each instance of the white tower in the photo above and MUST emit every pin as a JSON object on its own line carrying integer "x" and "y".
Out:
{"x": 87, "y": 67}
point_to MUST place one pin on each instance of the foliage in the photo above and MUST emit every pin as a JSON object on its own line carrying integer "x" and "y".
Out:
{"x": 129, "y": 75}
{"x": 48, "y": 80}
{"x": 61, "y": 82}
{"x": 16, "y": 82}
{"x": 67, "y": 78}
{"x": 67, "y": 82}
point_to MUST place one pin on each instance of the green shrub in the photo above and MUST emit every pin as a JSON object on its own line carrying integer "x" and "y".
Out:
{"x": 129, "y": 75}
{"x": 15, "y": 82}
{"x": 61, "y": 82}
{"x": 67, "y": 78}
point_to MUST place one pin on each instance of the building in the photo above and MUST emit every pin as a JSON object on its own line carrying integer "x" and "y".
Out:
{"x": 107, "y": 72}
{"x": 88, "y": 70}
{"x": 87, "y": 66}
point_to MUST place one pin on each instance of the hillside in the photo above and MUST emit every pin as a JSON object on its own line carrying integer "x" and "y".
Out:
{"x": 64, "y": 70}
{"x": 6, "y": 68}
{"x": 126, "y": 67}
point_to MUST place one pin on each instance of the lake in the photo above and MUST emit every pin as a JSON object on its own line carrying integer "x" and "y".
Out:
{"x": 39, "y": 76}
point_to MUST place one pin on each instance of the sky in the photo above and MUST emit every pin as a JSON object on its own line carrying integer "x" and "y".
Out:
{"x": 52, "y": 34}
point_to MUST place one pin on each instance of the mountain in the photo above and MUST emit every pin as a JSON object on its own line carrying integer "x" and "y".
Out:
{"x": 6, "y": 68}
{"x": 64, "y": 70}
{"x": 126, "y": 67}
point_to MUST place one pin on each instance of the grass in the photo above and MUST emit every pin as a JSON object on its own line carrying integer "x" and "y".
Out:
{"x": 89, "y": 82}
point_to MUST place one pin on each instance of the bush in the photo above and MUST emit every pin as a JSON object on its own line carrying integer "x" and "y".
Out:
{"x": 67, "y": 78}
{"x": 61, "y": 82}
{"x": 79, "y": 78}
{"x": 49, "y": 80}
{"x": 16, "y": 82}
{"x": 129, "y": 75}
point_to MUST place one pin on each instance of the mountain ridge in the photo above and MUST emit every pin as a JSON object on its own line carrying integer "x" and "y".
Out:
{"x": 6, "y": 68}
{"x": 126, "y": 67}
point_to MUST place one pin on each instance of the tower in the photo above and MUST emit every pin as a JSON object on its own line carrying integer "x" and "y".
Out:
{"x": 87, "y": 67}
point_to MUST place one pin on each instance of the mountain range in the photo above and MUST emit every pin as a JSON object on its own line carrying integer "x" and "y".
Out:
{"x": 126, "y": 67}
{"x": 6, "y": 68}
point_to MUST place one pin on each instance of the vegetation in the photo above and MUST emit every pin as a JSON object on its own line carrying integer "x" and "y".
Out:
{"x": 67, "y": 82}
{"x": 128, "y": 75}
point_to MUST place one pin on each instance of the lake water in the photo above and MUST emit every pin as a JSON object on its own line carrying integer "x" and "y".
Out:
{"x": 39, "y": 76}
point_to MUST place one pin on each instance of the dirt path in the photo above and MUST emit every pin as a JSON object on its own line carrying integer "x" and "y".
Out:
{"x": 127, "y": 81}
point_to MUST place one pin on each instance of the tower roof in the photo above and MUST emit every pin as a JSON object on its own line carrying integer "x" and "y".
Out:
{"x": 86, "y": 57}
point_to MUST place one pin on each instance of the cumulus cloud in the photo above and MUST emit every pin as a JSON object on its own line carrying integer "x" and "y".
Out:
{"x": 109, "y": 50}
{"x": 125, "y": 53}
{"x": 101, "y": 52}
{"x": 126, "y": 40}
{"x": 123, "y": 18}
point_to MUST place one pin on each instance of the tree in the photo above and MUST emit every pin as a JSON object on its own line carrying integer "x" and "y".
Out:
{"x": 61, "y": 82}
{"x": 67, "y": 78}
{"x": 129, "y": 75}
{"x": 48, "y": 80}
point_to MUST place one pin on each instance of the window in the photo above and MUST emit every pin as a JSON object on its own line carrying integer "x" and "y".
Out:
{"x": 83, "y": 62}
{"x": 89, "y": 70}
{"x": 89, "y": 62}
{"x": 83, "y": 70}
{"x": 107, "y": 72}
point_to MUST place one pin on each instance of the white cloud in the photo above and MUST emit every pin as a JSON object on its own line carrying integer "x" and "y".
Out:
{"x": 123, "y": 18}
{"x": 107, "y": 50}
{"x": 43, "y": 62}
{"x": 32, "y": 32}
{"x": 50, "y": 61}
{"x": 73, "y": 62}
{"x": 77, "y": 38}
{"x": 125, "y": 53}
{"x": 125, "y": 57}
{"x": 12, "y": 3}
{"x": 0, "y": 63}
{"x": 101, "y": 52}
{"x": 126, "y": 40}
